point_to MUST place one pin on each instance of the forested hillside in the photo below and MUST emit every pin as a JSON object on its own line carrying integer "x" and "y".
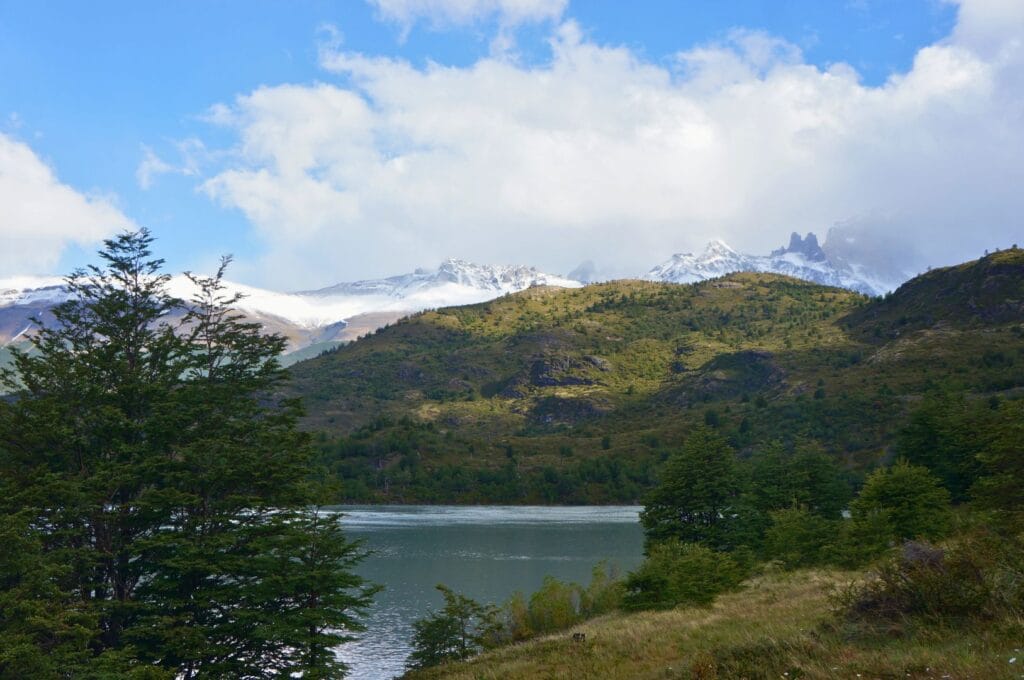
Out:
{"x": 568, "y": 396}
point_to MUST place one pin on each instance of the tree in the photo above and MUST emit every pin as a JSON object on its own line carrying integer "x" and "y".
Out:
{"x": 455, "y": 633}
{"x": 798, "y": 537}
{"x": 806, "y": 477}
{"x": 911, "y": 498}
{"x": 999, "y": 488}
{"x": 165, "y": 488}
{"x": 697, "y": 500}
{"x": 945, "y": 434}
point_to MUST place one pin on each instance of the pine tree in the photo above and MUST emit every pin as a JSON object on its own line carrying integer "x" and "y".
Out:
{"x": 698, "y": 498}
{"x": 911, "y": 498}
{"x": 165, "y": 485}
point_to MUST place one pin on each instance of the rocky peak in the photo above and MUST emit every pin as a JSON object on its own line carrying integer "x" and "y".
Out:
{"x": 807, "y": 246}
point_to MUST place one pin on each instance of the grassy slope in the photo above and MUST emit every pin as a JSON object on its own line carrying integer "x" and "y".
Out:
{"x": 779, "y": 626}
{"x": 552, "y": 378}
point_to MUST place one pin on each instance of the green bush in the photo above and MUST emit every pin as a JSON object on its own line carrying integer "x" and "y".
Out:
{"x": 555, "y": 606}
{"x": 861, "y": 539}
{"x": 677, "y": 573}
{"x": 461, "y": 629}
{"x": 916, "y": 503}
{"x": 799, "y": 538}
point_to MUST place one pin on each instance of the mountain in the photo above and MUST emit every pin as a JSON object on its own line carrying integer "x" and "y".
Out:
{"x": 311, "y": 319}
{"x": 803, "y": 258}
{"x": 576, "y": 395}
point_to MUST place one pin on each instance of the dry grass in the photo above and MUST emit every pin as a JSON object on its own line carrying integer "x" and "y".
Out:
{"x": 779, "y": 626}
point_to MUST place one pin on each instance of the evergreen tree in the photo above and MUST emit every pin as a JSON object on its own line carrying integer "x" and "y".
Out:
{"x": 165, "y": 486}
{"x": 698, "y": 498}
{"x": 945, "y": 434}
{"x": 806, "y": 477}
{"x": 1000, "y": 488}
{"x": 911, "y": 499}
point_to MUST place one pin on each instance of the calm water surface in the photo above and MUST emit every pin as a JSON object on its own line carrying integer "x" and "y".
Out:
{"x": 485, "y": 552}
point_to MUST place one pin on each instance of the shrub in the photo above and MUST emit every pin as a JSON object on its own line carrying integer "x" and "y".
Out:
{"x": 923, "y": 583}
{"x": 798, "y": 538}
{"x": 555, "y": 606}
{"x": 455, "y": 633}
{"x": 916, "y": 503}
{"x": 860, "y": 540}
{"x": 676, "y": 573}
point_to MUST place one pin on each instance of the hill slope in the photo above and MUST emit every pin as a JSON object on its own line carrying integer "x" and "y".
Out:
{"x": 778, "y": 627}
{"x": 554, "y": 395}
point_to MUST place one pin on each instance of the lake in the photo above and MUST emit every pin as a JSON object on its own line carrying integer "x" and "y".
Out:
{"x": 484, "y": 552}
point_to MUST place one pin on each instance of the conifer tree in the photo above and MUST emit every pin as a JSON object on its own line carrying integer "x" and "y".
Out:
{"x": 149, "y": 466}
{"x": 698, "y": 497}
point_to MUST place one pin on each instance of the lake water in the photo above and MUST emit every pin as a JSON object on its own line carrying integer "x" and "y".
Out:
{"x": 484, "y": 552}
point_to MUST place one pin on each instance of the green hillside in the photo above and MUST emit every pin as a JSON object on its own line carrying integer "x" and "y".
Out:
{"x": 556, "y": 395}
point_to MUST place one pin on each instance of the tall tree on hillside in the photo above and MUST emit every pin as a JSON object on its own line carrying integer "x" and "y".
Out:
{"x": 149, "y": 467}
{"x": 698, "y": 497}
{"x": 945, "y": 433}
{"x": 910, "y": 497}
{"x": 1000, "y": 488}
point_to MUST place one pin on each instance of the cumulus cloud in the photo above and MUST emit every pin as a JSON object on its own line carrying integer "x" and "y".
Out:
{"x": 599, "y": 153}
{"x": 41, "y": 216}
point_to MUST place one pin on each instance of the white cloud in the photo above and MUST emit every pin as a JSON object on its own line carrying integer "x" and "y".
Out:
{"x": 41, "y": 216}
{"x": 601, "y": 154}
{"x": 465, "y": 12}
{"x": 191, "y": 151}
{"x": 150, "y": 166}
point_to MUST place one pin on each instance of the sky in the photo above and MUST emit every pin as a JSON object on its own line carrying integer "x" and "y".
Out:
{"x": 323, "y": 141}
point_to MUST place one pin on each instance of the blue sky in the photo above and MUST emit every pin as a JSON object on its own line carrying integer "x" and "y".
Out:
{"x": 93, "y": 90}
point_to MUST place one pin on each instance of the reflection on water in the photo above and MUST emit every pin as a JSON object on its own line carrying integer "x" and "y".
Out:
{"x": 485, "y": 552}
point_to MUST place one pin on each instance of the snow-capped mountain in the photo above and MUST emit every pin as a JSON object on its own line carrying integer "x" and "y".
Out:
{"x": 336, "y": 313}
{"x": 454, "y": 282}
{"x": 803, "y": 258}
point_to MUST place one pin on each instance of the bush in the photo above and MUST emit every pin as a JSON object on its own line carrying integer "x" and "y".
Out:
{"x": 555, "y": 606}
{"x": 461, "y": 629}
{"x": 923, "y": 583}
{"x": 916, "y": 503}
{"x": 799, "y": 538}
{"x": 677, "y": 573}
{"x": 861, "y": 539}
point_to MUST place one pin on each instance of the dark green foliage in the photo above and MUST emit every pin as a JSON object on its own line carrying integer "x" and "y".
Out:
{"x": 458, "y": 631}
{"x": 676, "y": 573}
{"x": 698, "y": 497}
{"x": 910, "y": 497}
{"x": 806, "y": 476}
{"x": 945, "y": 435}
{"x": 163, "y": 492}
{"x": 799, "y": 538}
{"x": 1000, "y": 489}
{"x": 861, "y": 539}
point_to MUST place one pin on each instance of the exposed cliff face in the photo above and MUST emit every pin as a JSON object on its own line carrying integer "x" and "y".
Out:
{"x": 803, "y": 258}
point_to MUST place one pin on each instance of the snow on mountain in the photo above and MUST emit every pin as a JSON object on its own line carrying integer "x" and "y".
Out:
{"x": 455, "y": 282}
{"x": 298, "y": 315}
{"x": 803, "y": 258}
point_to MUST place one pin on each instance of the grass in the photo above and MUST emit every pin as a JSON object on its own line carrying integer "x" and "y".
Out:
{"x": 778, "y": 626}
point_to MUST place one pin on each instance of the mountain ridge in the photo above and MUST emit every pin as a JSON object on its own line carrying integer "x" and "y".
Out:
{"x": 575, "y": 395}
